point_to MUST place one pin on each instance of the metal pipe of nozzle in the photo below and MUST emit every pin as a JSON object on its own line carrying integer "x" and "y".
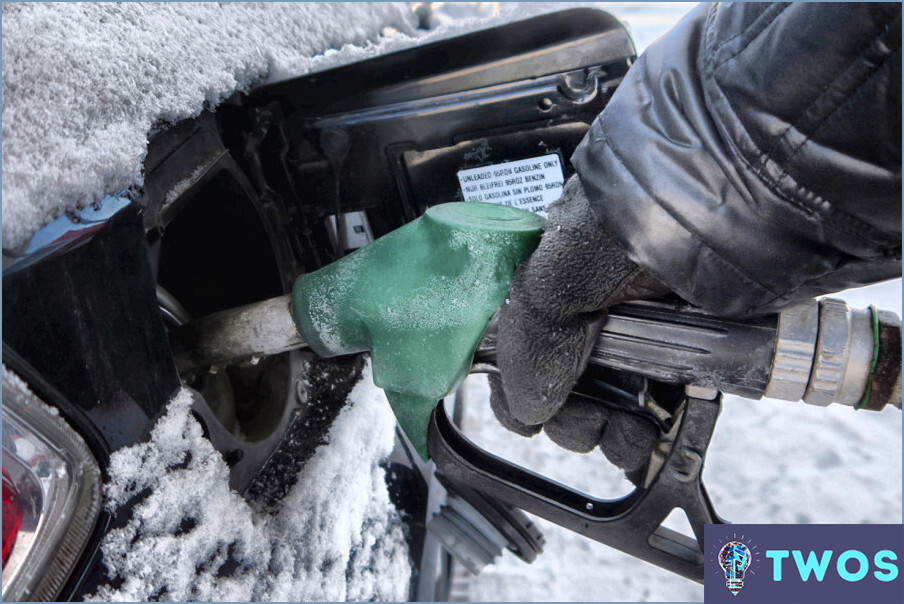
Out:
{"x": 819, "y": 352}
{"x": 238, "y": 335}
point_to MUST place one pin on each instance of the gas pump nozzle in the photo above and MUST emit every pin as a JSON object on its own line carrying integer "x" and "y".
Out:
{"x": 419, "y": 299}
{"x": 819, "y": 352}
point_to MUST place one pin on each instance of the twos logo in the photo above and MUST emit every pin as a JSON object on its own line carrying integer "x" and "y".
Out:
{"x": 734, "y": 558}
{"x": 804, "y": 563}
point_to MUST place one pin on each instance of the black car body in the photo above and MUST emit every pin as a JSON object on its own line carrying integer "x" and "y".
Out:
{"x": 238, "y": 202}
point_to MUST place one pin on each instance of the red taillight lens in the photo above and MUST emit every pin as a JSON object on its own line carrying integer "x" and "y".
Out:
{"x": 12, "y": 516}
{"x": 51, "y": 495}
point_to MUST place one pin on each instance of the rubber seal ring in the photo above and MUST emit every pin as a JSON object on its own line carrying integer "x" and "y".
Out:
{"x": 874, "y": 313}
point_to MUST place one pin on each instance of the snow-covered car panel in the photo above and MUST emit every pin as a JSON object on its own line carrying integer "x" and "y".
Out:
{"x": 233, "y": 205}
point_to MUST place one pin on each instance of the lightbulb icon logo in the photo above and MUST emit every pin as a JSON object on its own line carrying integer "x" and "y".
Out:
{"x": 734, "y": 557}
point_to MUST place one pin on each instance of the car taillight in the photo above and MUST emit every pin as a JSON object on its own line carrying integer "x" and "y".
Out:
{"x": 12, "y": 515}
{"x": 51, "y": 495}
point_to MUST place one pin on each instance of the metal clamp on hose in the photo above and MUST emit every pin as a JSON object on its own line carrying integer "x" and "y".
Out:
{"x": 829, "y": 352}
{"x": 798, "y": 329}
{"x": 844, "y": 355}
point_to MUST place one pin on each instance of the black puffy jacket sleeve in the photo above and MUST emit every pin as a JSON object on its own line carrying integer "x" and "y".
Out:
{"x": 752, "y": 156}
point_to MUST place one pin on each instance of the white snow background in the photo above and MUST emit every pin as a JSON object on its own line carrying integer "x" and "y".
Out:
{"x": 83, "y": 84}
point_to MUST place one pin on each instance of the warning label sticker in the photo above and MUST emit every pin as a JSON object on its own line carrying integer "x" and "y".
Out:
{"x": 531, "y": 184}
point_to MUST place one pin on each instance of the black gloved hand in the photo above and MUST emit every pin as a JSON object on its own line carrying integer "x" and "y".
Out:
{"x": 547, "y": 328}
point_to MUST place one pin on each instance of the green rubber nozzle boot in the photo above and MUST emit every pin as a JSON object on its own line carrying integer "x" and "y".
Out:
{"x": 419, "y": 299}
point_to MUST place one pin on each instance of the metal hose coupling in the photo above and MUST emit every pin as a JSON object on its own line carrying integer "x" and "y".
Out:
{"x": 827, "y": 352}
{"x": 820, "y": 352}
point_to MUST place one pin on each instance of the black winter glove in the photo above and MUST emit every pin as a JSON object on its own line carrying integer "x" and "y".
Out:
{"x": 547, "y": 328}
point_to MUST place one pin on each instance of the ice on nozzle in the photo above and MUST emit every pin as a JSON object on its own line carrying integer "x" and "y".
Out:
{"x": 418, "y": 299}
